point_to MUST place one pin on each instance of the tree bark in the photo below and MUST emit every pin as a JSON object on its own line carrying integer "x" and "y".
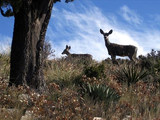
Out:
{"x": 30, "y": 27}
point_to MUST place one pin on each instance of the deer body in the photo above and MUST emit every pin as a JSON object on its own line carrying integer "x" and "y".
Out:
{"x": 84, "y": 56}
{"x": 119, "y": 50}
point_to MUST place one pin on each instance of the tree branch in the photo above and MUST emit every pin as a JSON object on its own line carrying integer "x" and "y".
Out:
{"x": 8, "y": 13}
{"x": 69, "y": 1}
{"x": 57, "y": 1}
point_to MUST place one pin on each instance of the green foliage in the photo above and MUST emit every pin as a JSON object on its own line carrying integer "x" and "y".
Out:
{"x": 151, "y": 62}
{"x": 157, "y": 66}
{"x": 145, "y": 63}
{"x": 130, "y": 74}
{"x": 102, "y": 93}
{"x": 14, "y": 6}
{"x": 97, "y": 71}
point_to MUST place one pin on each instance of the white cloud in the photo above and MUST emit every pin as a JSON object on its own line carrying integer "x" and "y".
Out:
{"x": 81, "y": 32}
{"x": 79, "y": 28}
{"x": 5, "y": 44}
{"x": 151, "y": 39}
{"x": 130, "y": 15}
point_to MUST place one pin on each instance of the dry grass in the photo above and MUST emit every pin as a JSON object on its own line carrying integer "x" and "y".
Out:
{"x": 69, "y": 97}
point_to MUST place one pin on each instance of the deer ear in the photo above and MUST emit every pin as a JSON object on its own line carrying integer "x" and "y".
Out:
{"x": 66, "y": 46}
{"x": 110, "y": 32}
{"x": 101, "y": 31}
{"x": 69, "y": 47}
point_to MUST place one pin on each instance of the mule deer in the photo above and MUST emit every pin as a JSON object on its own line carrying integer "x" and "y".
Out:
{"x": 119, "y": 50}
{"x": 84, "y": 56}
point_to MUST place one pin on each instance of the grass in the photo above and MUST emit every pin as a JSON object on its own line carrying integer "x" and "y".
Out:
{"x": 84, "y": 90}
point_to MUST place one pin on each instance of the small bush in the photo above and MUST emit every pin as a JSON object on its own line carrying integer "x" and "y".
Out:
{"x": 96, "y": 71}
{"x": 47, "y": 50}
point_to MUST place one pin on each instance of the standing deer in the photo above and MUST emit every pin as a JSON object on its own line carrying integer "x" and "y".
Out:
{"x": 119, "y": 50}
{"x": 84, "y": 56}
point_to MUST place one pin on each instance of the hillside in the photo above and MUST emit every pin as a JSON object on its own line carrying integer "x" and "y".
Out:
{"x": 81, "y": 89}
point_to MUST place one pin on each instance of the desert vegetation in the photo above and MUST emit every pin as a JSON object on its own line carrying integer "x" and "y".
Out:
{"x": 83, "y": 90}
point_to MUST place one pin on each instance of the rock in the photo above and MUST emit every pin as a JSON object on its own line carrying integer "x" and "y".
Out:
{"x": 98, "y": 118}
{"x": 28, "y": 116}
{"x": 24, "y": 97}
{"x": 128, "y": 117}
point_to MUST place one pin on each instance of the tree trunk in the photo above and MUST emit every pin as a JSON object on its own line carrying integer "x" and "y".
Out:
{"x": 27, "y": 45}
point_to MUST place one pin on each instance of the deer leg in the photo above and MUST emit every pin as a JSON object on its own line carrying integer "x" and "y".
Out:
{"x": 114, "y": 59}
{"x": 133, "y": 58}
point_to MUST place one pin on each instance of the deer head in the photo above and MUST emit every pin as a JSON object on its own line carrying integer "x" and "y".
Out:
{"x": 106, "y": 34}
{"x": 66, "y": 50}
{"x": 106, "y": 39}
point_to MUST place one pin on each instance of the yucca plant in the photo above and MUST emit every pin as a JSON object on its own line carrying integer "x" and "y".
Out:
{"x": 102, "y": 93}
{"x": 130, "y": 74}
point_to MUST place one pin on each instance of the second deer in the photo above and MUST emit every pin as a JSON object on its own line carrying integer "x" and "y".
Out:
{"x": 84, "y": 56}
{"x": 119, "y": 50}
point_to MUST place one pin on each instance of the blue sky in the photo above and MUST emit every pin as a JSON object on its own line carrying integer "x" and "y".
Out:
{"x": 135, "y": 22}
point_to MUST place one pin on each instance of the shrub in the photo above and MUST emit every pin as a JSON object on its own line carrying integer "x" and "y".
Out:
{"x": 47, "y": 50}
{"x": 130, "y": 74}
{"x": 151, "y": 62}
{"x": 96, "y": 71}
